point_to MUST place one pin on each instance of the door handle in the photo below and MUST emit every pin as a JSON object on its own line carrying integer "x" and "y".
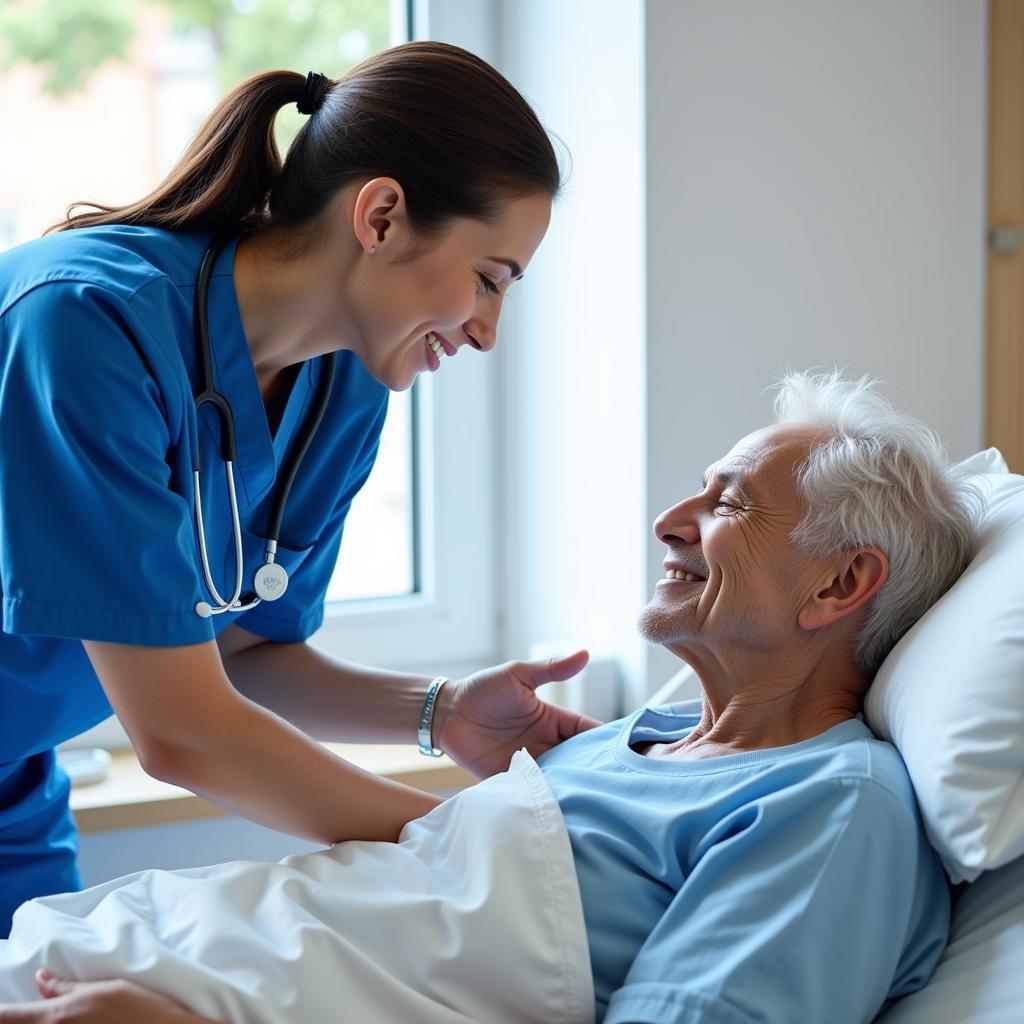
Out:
{"x": 1005, "y": 239}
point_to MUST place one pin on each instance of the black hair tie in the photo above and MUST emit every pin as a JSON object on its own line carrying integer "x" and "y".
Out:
{"x": 314, "y": 90}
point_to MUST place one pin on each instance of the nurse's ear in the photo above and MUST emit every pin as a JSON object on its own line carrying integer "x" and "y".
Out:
{"x": 379, "y": 217}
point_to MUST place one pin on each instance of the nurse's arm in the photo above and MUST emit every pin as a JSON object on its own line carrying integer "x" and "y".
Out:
{"x": 191, "y": 727}
{"x": 330, "y": 699}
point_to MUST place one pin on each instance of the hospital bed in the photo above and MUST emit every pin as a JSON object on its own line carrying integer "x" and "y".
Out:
{"x": 950, "y": 697}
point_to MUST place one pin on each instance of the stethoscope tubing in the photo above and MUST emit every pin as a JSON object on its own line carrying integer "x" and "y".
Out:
{"x": 222, "y": 605}
{"x": 209, "y": 395}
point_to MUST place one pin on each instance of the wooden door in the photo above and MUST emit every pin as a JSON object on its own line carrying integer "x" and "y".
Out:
{"x": 1005, "y": 373}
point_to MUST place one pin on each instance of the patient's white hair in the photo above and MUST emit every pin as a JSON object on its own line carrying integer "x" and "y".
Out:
{"x": 883, "y": 479}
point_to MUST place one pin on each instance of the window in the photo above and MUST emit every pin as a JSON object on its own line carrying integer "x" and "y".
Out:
{"x": 378, "y": 546}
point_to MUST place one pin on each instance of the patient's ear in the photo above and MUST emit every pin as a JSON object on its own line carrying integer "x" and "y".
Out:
{"x": 850, "y": 584}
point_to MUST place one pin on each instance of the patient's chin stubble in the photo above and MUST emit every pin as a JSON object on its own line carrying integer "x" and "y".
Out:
{"x": 659, "y": 626}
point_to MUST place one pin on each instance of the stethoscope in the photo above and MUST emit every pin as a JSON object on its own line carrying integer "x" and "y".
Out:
{"x": 271, "y": 579}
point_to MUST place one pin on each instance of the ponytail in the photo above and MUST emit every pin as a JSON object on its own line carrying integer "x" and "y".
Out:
{"x": 446, "y": 125}
{"x": 223, "y": 179}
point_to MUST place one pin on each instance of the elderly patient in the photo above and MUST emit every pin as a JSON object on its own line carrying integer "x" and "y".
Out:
{"x": 755, "y": 855}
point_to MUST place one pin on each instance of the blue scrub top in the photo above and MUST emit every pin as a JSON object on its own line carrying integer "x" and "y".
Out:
{"x": 97, "y": 523}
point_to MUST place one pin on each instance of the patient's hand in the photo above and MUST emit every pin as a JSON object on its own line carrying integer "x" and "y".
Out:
{"x": 97, "y": 1002}
{"x": 481, "y": 721}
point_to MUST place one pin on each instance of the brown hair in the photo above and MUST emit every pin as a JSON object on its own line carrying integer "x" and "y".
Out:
{"x": 441, "y": 121}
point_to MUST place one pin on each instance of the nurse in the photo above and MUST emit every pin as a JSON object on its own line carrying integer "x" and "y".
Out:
{"x": 382, "y": 245}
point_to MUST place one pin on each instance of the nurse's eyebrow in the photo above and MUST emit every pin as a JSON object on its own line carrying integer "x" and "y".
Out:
{"x": 517, "y": 271}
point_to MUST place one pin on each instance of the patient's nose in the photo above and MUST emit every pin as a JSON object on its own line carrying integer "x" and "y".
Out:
{"x": 678, "y": 523}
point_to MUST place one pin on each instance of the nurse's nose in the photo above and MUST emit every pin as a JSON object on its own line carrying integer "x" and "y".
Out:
{"x": 481, "y": 333}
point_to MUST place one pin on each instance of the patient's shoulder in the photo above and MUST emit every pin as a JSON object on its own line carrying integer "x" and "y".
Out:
{"x": 851, "y": 756}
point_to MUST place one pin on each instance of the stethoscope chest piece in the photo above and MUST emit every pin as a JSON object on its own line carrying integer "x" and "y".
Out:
{"x": 271, "y": 581}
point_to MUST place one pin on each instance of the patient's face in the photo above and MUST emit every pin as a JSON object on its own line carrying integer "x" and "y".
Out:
{"x": 734, "y": 535}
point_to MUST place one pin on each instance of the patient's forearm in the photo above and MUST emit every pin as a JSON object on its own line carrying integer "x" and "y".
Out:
{"x": 327, "y": 698}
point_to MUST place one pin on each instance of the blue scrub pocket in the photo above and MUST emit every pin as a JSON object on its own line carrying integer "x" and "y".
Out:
{"x": 290, "y": 558}
{"x": 299, "y": 611}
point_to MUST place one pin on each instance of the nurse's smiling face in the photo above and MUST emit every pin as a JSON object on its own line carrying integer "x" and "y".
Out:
{"x": 407, "y": 296}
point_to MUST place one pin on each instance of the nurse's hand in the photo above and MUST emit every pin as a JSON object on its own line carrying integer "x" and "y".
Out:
{"x": 117, "y": 1001}
{"x": 482, "y": 720}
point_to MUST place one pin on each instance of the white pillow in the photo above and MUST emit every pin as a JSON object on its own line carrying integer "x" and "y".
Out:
{"x": 950, "y": 695}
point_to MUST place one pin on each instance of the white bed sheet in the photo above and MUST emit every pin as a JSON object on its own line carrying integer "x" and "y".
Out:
{"x": 474, "y": 915}
{"x": 980, "y": 978}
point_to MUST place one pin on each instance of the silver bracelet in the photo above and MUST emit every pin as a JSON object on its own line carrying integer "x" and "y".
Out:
{"x": 426, "y": 721}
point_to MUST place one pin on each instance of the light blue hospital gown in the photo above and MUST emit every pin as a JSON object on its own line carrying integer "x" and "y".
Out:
{"x": 788, "y": 886}
{"x": 97, "y": 536}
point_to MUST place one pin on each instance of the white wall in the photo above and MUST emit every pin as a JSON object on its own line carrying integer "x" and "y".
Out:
{"x": 812, "y": 176}
{"x": 815, "y": 195}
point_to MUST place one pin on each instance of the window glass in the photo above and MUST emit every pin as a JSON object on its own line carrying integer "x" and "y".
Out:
{"x": 378, "y": 545}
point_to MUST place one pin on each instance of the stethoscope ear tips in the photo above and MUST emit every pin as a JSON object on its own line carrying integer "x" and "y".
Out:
{"x": 204, "y": 610}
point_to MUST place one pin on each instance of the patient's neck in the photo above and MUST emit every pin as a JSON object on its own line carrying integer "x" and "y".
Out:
{"x": 773, "y": 707}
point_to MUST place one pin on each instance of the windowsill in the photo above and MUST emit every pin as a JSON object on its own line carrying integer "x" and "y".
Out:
{"x": 129, "y": 798}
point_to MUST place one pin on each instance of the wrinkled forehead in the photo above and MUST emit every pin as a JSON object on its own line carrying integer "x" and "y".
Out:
{"x": 768, "y": 458}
